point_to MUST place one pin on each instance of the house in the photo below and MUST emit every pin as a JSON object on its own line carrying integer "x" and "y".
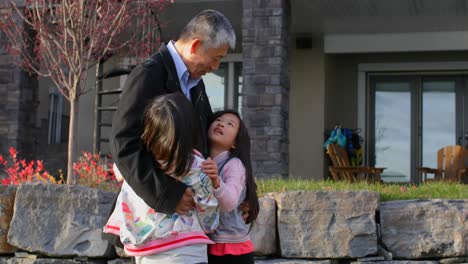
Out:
{"x": 395, "y": 71}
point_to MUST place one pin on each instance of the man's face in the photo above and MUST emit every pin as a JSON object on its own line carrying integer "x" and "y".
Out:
{"x": 205, "y": 61}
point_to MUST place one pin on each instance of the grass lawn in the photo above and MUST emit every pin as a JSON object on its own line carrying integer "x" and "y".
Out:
{"x": 388, "y": 192}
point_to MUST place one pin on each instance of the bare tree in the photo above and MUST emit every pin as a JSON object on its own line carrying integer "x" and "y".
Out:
{"x": 63, "y": 39}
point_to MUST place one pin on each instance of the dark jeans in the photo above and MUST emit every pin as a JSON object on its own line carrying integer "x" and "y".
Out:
{"x": 231, "y": 259}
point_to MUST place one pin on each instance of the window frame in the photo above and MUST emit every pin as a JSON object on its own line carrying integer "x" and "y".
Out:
{"x": 54, "y": 135}
{"x": 231, "y": 99}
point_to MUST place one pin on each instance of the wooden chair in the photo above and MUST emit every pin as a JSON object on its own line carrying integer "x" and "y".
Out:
{"x": 450, "y": 165}
{"x": 343, "y": 171}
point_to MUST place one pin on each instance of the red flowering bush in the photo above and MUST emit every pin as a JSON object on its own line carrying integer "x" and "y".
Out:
{"x": 91, "y": 169}
{"x": 95, "y": 172}
{"x": 21, "y": 171}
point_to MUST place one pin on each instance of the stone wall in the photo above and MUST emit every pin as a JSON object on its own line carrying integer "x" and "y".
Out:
{"x": 10, "y": 98}
{"x": 19, "y": 92}
{"x": 48, "y": 223}
{"x": 265, "y": 37}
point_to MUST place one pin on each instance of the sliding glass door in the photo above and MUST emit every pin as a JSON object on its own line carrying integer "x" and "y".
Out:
{"x": 410, "y": 118}
{"x": 392, "y": 121}
{"x": 438, "y": 126}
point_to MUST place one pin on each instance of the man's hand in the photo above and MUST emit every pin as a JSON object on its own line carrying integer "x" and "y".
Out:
{"x": 210, "y": 168}
{"x": 244, "y": 207}
{"x": 186, "y": 202}
{"x": 117, "y": 173}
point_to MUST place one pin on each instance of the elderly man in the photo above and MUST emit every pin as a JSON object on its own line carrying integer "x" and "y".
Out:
{"x": 176, "y": 68}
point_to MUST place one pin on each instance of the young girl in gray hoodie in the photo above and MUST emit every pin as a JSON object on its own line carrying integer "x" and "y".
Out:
{"x": 229, "y": 145}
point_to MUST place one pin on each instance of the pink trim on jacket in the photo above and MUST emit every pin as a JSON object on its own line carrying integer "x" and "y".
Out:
{"x": 161, "y": 245}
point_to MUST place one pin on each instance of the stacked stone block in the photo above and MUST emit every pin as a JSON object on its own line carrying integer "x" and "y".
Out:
{"x": 18, "y": 106}
{"x": 265, "y": 36}
{"x": 50, "y": 223}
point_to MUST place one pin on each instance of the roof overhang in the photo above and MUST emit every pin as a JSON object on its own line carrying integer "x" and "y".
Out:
{"x": 350, "y": 26}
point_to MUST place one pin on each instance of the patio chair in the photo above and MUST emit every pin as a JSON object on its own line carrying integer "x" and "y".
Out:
{"x": 343, "y": 171}
{"x": 450, "y": 165}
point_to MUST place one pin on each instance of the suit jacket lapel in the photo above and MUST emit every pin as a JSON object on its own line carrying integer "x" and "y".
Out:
{"x": 197, "y": 94}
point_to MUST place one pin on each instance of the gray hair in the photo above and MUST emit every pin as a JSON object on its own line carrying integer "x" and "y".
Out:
{"x": 212, "y": 27}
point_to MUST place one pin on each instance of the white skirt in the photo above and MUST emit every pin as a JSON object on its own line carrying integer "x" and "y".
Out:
{"x": 191, "y": 254}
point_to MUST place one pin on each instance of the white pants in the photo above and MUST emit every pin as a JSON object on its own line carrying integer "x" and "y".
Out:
{"x": 190, "y": 254}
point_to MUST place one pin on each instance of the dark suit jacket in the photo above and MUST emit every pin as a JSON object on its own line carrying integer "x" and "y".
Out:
{"x": 156, "y": 76}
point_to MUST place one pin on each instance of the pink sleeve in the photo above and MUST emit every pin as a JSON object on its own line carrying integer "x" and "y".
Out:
{"x": 230, "y": 189}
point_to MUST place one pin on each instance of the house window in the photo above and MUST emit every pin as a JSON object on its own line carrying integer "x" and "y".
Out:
{"x": 224, "y": 86}
{"x": 216, "y": 87}
{"x": 55, "y": 116}
{"x": 411, "y": 117}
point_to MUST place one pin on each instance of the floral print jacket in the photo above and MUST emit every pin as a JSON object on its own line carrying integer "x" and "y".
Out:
{"x": 144, "y": 232}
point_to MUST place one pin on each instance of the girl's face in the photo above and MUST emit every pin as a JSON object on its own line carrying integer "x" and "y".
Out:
{"x": 223, "y": 131}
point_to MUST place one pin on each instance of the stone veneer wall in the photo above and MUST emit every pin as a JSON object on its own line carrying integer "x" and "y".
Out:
{"x": 265, "y": 109}
{"x": 19, "y": 101}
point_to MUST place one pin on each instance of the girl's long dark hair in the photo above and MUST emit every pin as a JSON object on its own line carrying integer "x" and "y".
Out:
{"x": 242, "y": 152}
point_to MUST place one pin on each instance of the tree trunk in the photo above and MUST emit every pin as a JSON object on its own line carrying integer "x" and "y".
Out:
{"x": 74, "y": 105}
